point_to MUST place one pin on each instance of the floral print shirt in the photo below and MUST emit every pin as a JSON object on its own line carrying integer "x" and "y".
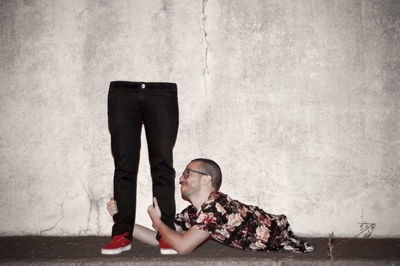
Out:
{"x": 241, "y": 226}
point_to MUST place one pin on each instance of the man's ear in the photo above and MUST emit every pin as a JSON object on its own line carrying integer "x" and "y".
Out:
{"x": 207, "y": 180}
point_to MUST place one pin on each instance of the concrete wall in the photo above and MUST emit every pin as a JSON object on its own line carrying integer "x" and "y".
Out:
{"x": 297, "y": 100}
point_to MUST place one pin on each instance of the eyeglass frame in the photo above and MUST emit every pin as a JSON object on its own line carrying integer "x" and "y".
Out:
{"x": 187, "y": 171}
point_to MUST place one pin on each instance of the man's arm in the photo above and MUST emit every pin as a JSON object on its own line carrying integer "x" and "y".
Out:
{"x": 182, "y": 243}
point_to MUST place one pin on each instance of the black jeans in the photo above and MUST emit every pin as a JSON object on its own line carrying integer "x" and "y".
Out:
{"x": 131, "y": 104}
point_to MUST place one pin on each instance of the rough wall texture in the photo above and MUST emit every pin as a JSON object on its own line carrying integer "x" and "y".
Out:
{"x": 297, "y": 100}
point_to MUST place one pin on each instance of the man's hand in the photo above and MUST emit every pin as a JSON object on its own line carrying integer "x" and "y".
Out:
{"x": 112, "y": 207}
{"x": 154, "y": 211}
{"x": 183, "y": 243}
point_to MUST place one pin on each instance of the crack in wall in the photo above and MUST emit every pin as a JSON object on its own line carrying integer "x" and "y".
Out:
{"x": 99, "y": 206}
{"x": 91, "y": 201}
{"x": 162, "y": 10}
{"x": 94, "y": 206}
{"x": 203, "y": 22}
{"x": 54, "y": 226}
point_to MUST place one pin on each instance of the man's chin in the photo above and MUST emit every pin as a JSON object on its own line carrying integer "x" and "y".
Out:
{"x": 182, "y": 189}
{"x": 185, "y": 197}
{"x": 183, "y": 194}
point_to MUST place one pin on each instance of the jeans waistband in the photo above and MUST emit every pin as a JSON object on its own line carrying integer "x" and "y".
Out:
{"x": 139, "y": 85}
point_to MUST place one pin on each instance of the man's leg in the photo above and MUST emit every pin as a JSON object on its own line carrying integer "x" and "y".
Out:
{"x": 125, "y": 122}
{"x": 145, "y": 235}
{"x": 161, "y": 118}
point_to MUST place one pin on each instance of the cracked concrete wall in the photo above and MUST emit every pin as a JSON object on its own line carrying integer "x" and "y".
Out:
{"x": 297, "y": 100}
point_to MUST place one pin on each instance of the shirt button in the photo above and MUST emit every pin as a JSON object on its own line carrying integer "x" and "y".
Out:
{"x": 143, "y": 86}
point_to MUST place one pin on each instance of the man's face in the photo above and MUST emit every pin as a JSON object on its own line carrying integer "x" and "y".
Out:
{"x": 192, "y": 184}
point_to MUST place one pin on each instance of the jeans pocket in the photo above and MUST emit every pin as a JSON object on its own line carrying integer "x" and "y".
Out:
{"x": 162, "y": 93}
{"x": 111, "y": 97}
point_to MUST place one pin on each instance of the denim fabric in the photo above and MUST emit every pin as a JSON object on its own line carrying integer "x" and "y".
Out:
{"x": 131, "y": 105}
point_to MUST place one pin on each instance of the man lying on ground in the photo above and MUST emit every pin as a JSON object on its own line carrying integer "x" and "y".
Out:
{"x": 214, "y": 214}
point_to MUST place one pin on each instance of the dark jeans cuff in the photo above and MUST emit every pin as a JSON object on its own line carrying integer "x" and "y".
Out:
{"x": 115, "y": 217}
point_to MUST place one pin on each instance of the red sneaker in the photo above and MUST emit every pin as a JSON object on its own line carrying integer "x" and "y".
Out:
{"x": 118, "y": 244}
{"x": 165, "y": 249}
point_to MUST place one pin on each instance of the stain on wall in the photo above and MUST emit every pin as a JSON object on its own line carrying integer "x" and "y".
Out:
{"x": 298, "y": 101}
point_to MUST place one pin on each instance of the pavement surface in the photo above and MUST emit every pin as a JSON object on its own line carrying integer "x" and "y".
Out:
{"x": 39, "y": 250}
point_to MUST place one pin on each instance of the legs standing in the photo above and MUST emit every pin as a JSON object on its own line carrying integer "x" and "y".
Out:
{"x": 129, "y": 105}
{"x": 161, "y": 125}
{"x": 125, "y": 123}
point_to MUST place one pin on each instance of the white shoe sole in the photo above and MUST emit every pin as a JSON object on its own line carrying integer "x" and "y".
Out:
{"x": 309, "y": 248}
{"x": 168, "y": 251}
{"x": 115, "y": 250}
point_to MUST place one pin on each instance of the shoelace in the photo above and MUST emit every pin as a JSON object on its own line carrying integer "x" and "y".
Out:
{"x": 116, "y": 239}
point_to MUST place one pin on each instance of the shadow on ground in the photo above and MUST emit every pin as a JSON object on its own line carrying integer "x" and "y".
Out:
{"x": 35, "y": 250}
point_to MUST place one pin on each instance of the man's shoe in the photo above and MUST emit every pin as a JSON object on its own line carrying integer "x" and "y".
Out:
{"x": 117, "y": 245}
{"x": 165, "y": 249}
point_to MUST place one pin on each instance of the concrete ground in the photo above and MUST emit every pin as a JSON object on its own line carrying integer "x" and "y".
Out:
{"x": 38, "y": 250}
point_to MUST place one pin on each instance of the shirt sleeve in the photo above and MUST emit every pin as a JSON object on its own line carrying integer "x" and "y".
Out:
{"x": 208, "y": 218}
{"x": 182, "y": 221}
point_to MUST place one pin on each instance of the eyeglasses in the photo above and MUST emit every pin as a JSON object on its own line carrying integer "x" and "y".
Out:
{"x": 187, "y": 172}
